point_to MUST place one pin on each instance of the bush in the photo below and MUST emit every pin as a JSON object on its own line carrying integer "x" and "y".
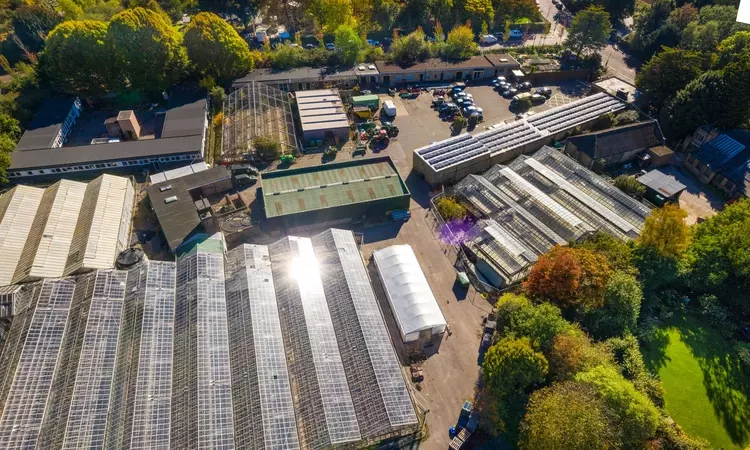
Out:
{"x": 630, "y": 185}
{"x": 217, "y": 98}
{"x": 524, "y": 104}
{"x": 268, "y": 149}
{"x": 716, "y": 314}
{"x": 450, "y": 209}
{"x": 626, "y": 117}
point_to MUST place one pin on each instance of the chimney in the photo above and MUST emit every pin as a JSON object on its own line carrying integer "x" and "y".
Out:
{"x": 129, "y": 125}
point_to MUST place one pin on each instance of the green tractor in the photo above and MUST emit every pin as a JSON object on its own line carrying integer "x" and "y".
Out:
{"x": 289, "y": 159}
{"x": 391, "y": 129}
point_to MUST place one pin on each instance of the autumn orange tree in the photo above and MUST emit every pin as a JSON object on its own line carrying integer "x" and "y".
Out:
{"x": 569, "y": 277}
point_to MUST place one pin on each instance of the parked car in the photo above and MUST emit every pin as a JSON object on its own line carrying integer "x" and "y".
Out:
{"x": 448, "y": 108}
{"x": 525, "y": 86}
{"x": 510, "y": 92}
{"x": 538, "y": 99}
{"x": 244, "y": 179}
{"x": 517, "y": 99}
{"x": 310, "y": 47}
{"x": 465, "y": 102}
{"x": 488, "y": 39}
{"x": 330, "y": 46}
{"x": 545, "y": 91}
{"x": 459, "y": 95}
{"x": 503, "y": 88}
{"x": 373, "y": 42}
{"x": 516, "y": 34}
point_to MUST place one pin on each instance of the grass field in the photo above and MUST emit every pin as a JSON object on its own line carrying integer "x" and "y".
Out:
{"x": 705, "y": 390}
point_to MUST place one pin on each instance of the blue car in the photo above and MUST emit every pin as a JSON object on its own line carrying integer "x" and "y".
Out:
{"x": 373, "y": 42}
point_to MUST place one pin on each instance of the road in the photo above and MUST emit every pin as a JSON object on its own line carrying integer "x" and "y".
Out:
{"x": 613, "y": 59}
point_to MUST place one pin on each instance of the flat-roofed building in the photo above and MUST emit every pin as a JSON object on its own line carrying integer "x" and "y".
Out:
{"x": 322, "y": 115}
{"x": 334, "y": 193}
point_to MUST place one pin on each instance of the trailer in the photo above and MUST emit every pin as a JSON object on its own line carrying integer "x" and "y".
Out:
{"x": 370, "y": 101}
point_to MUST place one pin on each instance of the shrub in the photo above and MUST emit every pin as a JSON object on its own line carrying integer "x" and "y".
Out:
{"x": 626, "y": 117}
{"x": 217, "y": 98}
{"x": 450, "y": 208}
{"x": 459, "y": 123}
{"x": 742, "y": 349}
{"x": 630, "y": 185}
{"x": 268, "y": 149}
{"x": 717, "y": 315}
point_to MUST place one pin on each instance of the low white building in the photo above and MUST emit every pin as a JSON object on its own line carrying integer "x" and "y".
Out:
{"x": 414, "y": 306}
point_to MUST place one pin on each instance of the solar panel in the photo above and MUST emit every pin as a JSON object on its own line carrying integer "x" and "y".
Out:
{"x": 24, "y": 408}
{"x": 153, "y": 389}
{"x": 87, "y": 416}
{"x": 334, "y": 390}
{"x": 397, "y": 401}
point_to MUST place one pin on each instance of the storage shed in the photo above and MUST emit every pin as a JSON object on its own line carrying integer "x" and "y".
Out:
{"x": 414, "y": 306}
{"x": 372, "y": 101}
{"x": 322, "y": 115}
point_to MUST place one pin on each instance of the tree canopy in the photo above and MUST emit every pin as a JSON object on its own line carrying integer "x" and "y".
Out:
{"x": 622, "y": 305}
{"x": 665, "y": 230}
{"x": 519, "y": 317}
{"x": 572, "y": 352}
{"x": 512, "y": 365}
{"x": 76, "y": 58}
{"x": 349, "y": 44}
{"x": 566, "y": 415}
{"x": 147, "y": 49}
{"x": 215, "y": 48}
{"x": 460, "y": 43}
{"x": 589, "y": 31}
{"x": 569, "y": 277}
{"x": 409, "y": 49}
{"x": 666, "y": 73}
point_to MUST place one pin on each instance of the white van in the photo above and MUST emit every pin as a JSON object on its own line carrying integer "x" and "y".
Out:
{"x": 389, "y": 108}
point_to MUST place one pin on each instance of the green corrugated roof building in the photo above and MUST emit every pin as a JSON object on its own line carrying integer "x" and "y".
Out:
{"x": 362, "y": 189}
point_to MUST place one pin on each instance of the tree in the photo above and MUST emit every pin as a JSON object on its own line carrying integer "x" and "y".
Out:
{"x": 665, "y": 230}
{"x": 653, "y": 30}
{"x": 729, "y": 48}
{"x": 450, "y": 208}
{"x": 518, "y": 317}
{"x": 682, "y": 16}
{"x": 634, "y": 417}
{"x": 589, "y": 31}
{"x": 349, "y": 44}
{"x": 699, "y": 103}
{"x": 619, "y": 254}
{"x": 146, "y": 49}
{"x": 218, "y": 96}
{"x": 619, "y": 9}
{"x": 566, "y": 415}
{"x": 479, "y": 10}
{"x": 726, "y": 18}
{"x": 666, "y": 73}
{"x": 622, "y": 305}
{"x": 410, "y": 49}
{"x": 331, "y": 14}
{"x": 513, "y": 365}
{"x": 286, "y": 56}
{"x": 31, "y": 23}
{"x": 438, "y": 32}
{"x": 701, "y": 37}
{"x": 9, "y": 126}
{"x": 573, "y": 352}
{"x": 460, "y": 43}
{"x": 570, "y": 277}
{"x": 630, "y": 185}
{"x": 513, "y": 10}
{"x": 215, "y": 48}
{"x": 76, "y": 59}
{"x": 719, "y": 256}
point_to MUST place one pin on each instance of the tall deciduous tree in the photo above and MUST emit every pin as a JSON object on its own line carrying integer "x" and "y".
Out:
{"x": 349, "y": 44}
{"x": 460, "y": 43}
{"x": 31, "y": 23}
{"x": 731, "y": 47}
{"x": 570, "y": 277}
{"x": 573, "y": 352}
{"x": 622, "y": 305}
{"x": 76, "y": 58}
{"x": 410, "y": 49}
{"x": 634, "y": 417}
{"x": 517, "y": 316}
{"x": 665, "y": 230}
{"x": 215, "y": 48}
{"x": 147, "y": 49}
{"x": 589, "y": 31}
{"x": 512, "y": 365}
{"x": 666, "y": 73}
{"x": 566, "y": 415}
{"x": 331, "y": 14}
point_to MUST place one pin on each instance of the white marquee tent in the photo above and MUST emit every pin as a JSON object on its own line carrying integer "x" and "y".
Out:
{"x": 411, "y": 299}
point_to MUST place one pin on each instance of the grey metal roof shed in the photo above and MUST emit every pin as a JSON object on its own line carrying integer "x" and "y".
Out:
{"x": 662, "y": 183}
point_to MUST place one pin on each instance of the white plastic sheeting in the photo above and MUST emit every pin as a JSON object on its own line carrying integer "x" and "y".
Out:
{"x": 411, "y": 299}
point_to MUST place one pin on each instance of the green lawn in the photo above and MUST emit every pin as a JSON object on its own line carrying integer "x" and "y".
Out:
{"x": 705, "y": 390}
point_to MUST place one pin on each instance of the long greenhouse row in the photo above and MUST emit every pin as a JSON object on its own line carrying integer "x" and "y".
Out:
{"x": 261, "y": 347}
{"x": 537, "y": 202}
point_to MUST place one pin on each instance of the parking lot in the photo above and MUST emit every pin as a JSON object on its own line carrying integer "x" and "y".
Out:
{"x": 420, "y": 124}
